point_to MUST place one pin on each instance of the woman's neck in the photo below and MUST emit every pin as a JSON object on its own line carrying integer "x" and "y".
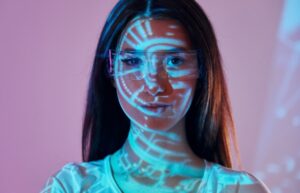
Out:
{"x": 157, "y": 154}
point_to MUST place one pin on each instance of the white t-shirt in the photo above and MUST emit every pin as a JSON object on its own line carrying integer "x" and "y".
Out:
{"x": 96, "y": 177}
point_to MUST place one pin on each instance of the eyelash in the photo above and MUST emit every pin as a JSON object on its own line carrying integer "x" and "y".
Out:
{"x": 132, "y": 61}
{"x": 177, "y": 58}
{"x": 135, "y": 61}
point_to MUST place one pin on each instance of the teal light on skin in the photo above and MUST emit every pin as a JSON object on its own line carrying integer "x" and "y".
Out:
{"x": 171, "y": 92}
{"x": 156, "y": 155}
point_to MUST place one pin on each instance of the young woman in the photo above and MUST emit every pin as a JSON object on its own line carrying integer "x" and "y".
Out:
{"x": 157, "y": 117}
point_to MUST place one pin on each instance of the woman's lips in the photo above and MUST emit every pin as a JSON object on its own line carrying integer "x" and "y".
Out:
{"x": 157, "y": 107}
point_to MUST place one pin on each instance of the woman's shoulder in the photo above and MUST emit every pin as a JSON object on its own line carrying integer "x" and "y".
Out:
{"x": 79, "y": 177}
{"x": 83, "y": 168}
{"x": 230, "y": 180}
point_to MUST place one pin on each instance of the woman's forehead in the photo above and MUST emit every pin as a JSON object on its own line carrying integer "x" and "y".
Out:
{"x": 143, "y": 33}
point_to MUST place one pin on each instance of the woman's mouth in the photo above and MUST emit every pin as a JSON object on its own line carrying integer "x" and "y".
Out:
{"x": 156, "y": 107}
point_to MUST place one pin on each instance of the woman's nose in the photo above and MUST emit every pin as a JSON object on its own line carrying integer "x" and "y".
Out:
{"x": 157, "y": 83}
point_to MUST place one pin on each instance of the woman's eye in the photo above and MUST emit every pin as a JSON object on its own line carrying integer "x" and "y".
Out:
{"x": 132, "y": 61}
{"x": 174, "y": 61}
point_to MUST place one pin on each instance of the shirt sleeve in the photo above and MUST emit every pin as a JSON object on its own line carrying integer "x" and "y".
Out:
{"x": 254, "y": 185}
{"x": 68, "y": 179}
{"x": 53, "y": 185}
{"x": 78, "y": 177}
{"x": 247, "y": 183}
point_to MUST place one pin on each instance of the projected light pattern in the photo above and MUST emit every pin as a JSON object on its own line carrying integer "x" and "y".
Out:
{"x": 136, "y": 65}
{"x": 161, "y": 93}
{"x": 279, "y": 138}
{"x": 155, "y": 173}
{"x": 156, "y": 98}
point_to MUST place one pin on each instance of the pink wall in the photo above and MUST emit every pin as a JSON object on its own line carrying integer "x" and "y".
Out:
{"x": 47, "y": 49}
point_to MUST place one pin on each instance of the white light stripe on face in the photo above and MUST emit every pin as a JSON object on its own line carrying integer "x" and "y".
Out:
{"x": 179, "y": 85}
{"x": 124, "y": 85}
{"x": 130, "y": 43}
{"x": 173, "y": 26}
{"x": 134, "y": 96}
{"x": 141, "y": 30}
{"x": 135, "y": 37}
{"x": 151, "y": 66}
{"x": 150, "y": 83}
{"x": 186, "y": 103}
{"x": 183, "y": 73}
{"x": 170, "y": 34}
{"x": 148, "y": 28}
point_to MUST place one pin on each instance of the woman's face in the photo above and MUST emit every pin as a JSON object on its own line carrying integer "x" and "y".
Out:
{"x": 155, "y": 72}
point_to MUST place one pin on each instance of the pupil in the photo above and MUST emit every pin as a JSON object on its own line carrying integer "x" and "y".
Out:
{"x": 175, "y": 60}
{"x": 135, "y": 60}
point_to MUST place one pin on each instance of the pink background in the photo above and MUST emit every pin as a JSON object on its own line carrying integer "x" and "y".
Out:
{"x": 46, "y": 51}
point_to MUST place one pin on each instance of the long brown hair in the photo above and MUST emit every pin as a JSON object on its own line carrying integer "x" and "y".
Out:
{"x": 209, "y": 124}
